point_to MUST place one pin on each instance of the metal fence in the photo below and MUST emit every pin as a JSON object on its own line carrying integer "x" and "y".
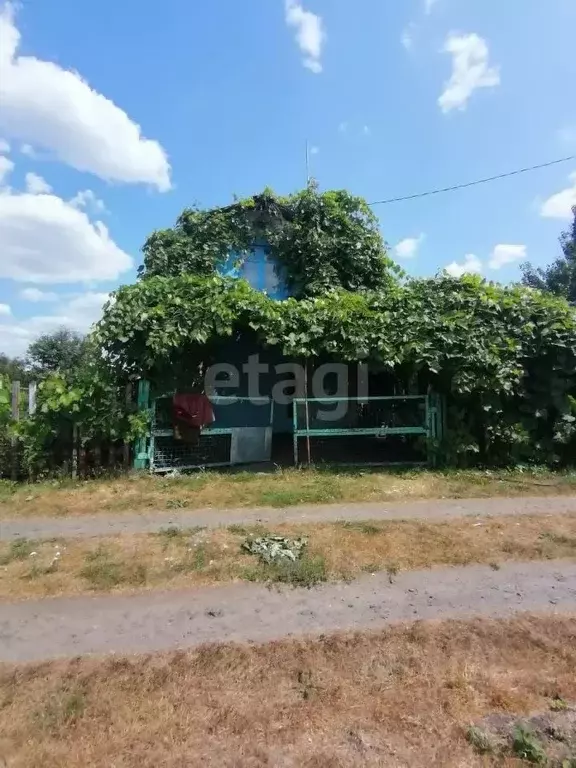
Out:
{"x": 389, "y": 430}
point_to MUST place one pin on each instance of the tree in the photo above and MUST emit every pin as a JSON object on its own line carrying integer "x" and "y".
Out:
{"x": 560, "y": 276}
{"x": 12, "y": 368}
{"x": 60, "y": 351}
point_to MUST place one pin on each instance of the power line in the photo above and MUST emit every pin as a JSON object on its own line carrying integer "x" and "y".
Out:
{"x": 474, "y": 183}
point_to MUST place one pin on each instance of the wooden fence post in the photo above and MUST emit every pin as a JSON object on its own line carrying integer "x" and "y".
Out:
{"x": 15, "y": 417}
{"x": 32, "y": 390}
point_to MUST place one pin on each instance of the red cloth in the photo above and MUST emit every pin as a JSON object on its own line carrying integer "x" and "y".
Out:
{"x": 193, "y": 410}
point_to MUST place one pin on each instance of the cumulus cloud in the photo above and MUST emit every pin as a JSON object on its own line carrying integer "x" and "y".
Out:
{"x": 310, "y": 34}
{"x": 87, "y": 199}
{"x": 5, "y": 310}
{"x": 36, "y": 295}
{"x": 470, "y": 265}
{"x": 4, "y": 147}
{"x": 36, "y": 185}
{"x": 47, "y": 240}
{"x": 408, "y": 248}
{"x": 78, "y": 313}
{"x": 6, "y": 167}
{"x": 470, "y": 70}
{"x": 50, "y": 107}
{"x": 560, "y": 205}
{"x": 506, "y": 254}
{"x": 407, "y": 38}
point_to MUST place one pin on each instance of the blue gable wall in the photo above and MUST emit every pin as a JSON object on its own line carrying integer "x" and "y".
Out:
{"x": 259, "y": 269}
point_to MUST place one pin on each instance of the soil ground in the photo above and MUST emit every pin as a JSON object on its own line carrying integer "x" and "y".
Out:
{"x": 402, "y": 697}
{"x": 34, "y": 630}
{"x": 147, "y": 521}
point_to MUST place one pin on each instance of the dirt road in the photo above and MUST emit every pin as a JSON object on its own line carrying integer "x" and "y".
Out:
{"x": 151, "y": 521}
{"x": 248, "y": 612}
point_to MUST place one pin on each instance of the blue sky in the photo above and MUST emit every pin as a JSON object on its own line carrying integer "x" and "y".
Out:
{"x": 115, "y": 116}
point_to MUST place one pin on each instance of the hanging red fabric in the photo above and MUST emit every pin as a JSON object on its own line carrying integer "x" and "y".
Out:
{"x": 191, "y": 413}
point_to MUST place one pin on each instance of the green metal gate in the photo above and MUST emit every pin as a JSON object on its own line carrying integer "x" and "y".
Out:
{"x": 373, "y": 418}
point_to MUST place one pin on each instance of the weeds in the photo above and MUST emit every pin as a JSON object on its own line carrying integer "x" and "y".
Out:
{"x": 306, "y": 686}
{"x": 103, "y": 573}
{"x": 558, "y": 704}
{"x": 170, "y": 532}
{"x": 176, "y": 504}
{"x": 327, "y": 494}
{"x": 306, "y": 572}
{"x": 252, "y": 530}
{"x": 369, "y": 529}
{"x": 195, "y": 560}
{"x": 19, "y": 549}
{"x": 480, "y": 740}
{"x": 560, "y": 539}
{"x": 526, "y": 746}
{"x": 61, "y": 710}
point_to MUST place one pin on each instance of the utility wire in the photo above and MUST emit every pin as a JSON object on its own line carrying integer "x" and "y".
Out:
{"x": 474, "y": 183}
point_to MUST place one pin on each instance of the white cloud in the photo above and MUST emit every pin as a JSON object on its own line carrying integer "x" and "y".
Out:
{"x": 87, "y": 199}
{"x": 4, "y": 147}
{"x": 470, "y": 70}
{"x": 506, "y": 254}
{"x": 407, "y": 38}
{"x": 28, "y": 150}
{"x": 36, "y": 185}
{"x": 5, "y": 310}
{"x": 6, "y": 167}
{"x": 36, "y": 295}
{"x": 470, "y": 265}
{"x": 408, "y": 248}
{"x": 78, "y": 313}
{"x": 46, "y": 240}
{"x": 560, "y": 205}
{"x": 310, "y": 34}
{"x": 56, "y": 109}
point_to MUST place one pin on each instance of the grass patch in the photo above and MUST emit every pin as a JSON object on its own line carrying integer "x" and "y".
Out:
{"x": 370, "y": 529}
{"x": 480, "y": 740}
{"x": 195, "y": 560}
{"x": 308, "y": 571}
{"x": 103, "y": 573}
{"x": 19, "y": 549}
{"x": 60, "y": 711}
{"x": 278, "y": 488}
{"x": 359, "y": 698}
{"x": 291, "y": 497}
{"x": 177, "y": 558}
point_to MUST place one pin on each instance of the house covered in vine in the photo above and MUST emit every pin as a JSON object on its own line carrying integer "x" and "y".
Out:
{"x": 279, "y": 329}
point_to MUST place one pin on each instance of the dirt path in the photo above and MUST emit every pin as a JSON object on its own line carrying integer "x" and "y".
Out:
{"x": 151, "y": 521}
{"x": 249, "y": 612}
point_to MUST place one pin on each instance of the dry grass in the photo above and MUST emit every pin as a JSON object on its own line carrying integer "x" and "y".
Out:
{"x": 281, "y": 488}
{"x": 176, "y": 558}
{"x": 400, "y": 697}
